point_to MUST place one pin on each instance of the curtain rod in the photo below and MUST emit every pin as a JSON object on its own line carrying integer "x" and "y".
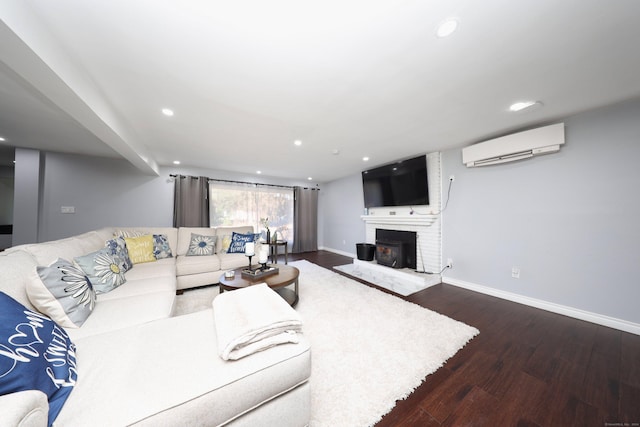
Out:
{"x": 240, "y": 182}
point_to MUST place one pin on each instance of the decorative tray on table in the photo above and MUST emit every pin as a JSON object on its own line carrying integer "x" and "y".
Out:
{"x": 258, "y": 272}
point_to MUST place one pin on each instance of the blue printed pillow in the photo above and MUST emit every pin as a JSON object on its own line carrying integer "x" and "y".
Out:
{"x": 239, "y": 240}
{"x": 35, "y": 354}
{"x": 118, "y": 247}
{"x": 105, "y": 271}
{"x": 161, "y": 248}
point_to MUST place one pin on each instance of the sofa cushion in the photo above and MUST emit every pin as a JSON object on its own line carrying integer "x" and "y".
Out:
{"x": 47, "y": 252}
{"x": 27, "y": 408}
{"x": 63, "y": 292}
{"x": 161, "y": 268}
{"x": 16, "y": 266}
{"x": 161, "y": 248}
{"x": 201, "y": 245}
{"x": 162, "y": 382}
{"x": 105, "y": 271}
{"x": 118, "y": 247}
{"x": 37, "y": 354}
{"x": 197, "y": 264}
{"x": 141, "y": 286}
{"x": 140, "y": 248}
{"x": 232, "y": 261}
{"x": 123, "y": 313}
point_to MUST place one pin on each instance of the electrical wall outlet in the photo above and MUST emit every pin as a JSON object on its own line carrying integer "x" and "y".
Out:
{"x": 452, "y": 178}
{"x": 67, "y": 209}
{"x": 515, "y": 272}
{"x": 450, "y": 262}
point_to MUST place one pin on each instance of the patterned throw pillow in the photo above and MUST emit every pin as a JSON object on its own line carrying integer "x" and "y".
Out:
{"x": 201, "y": 245}
{"x": 105, "y": 271}
{"x": 128, "y": 233}
{"x": 118, "y": 247}
{"x": 239, "y": 240}
{"x": 140, "y": 248}
{"x": 161, "y": 248}
{"x": 225, "y": 242}
{"x": 36, "y": 354}
{"x": 63, "y": 292}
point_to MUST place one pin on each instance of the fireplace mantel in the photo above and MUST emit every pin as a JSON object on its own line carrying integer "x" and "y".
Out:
{"x": 417, "y": 220}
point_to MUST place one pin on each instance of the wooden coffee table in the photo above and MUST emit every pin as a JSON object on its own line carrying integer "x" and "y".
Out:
{"x": 286, "y": 276}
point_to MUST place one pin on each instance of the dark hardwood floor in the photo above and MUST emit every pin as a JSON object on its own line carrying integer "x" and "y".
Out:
{"x": 528, "y": 367}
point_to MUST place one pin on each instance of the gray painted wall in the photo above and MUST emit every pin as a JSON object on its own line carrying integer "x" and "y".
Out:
{"x": 111, "y": 192}
{"x": 26, "y": 201}
{"x": 6, "y": 203}
{"x": 6, "y": 195}
{"x": 569, "y": 220}
{"x": 341, "y": 204}
{"x": 103, "y": 191}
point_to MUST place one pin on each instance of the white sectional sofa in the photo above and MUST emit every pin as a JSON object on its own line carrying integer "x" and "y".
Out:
{"x": 203, "y": 270}
{"x": 138, "y": 364}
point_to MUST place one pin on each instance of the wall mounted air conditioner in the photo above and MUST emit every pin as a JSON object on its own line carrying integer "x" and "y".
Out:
{"x": 517, "y": 146}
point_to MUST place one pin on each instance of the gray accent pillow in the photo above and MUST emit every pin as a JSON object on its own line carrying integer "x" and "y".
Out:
{"x": 201, "y": 245}
{"x": 63, "y": 292}
{"x": 104, "y": 270}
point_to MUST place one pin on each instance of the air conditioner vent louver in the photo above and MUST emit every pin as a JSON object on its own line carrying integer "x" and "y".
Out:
{"x": 517, "y": 146}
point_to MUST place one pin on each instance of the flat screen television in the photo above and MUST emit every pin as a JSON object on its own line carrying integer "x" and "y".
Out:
{"x": 401, "y": 183}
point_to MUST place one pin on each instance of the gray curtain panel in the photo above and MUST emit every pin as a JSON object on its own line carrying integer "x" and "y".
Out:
{"x": 305, "y": 219}
{"x": 191, "y": 201}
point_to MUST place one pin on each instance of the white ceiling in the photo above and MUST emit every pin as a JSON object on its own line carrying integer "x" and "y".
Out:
{"x": 247, "y": 78}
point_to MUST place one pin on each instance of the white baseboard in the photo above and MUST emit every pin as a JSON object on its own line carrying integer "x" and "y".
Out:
{"x": 611, "y": 322}
{"x": 337, "y": 251}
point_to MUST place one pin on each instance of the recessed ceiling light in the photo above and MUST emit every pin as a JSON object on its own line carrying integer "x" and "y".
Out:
{"x": 310, "y": 178}
{"x": 2, "y": 139}
{"x": 258, "y": 172}
{"x": 335, "y": 151}
{"x": 365, "y": 159}
{"x": 167, "y": 112}
{"x": 176, "y": 162}
{"x": 297, "y": 142}
{"x": 524, "y": 105}
{"x": 447, "y": 28}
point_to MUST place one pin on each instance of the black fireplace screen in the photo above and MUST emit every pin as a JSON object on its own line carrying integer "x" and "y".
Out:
{"x": 390, "y": 254}
{"x": 406, "y": 240}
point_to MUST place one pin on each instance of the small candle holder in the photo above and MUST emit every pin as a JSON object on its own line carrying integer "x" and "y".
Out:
{"x": 249, "y": 251}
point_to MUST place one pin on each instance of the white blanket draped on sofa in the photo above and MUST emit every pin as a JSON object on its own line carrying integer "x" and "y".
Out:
{"x": 253, "y": 319}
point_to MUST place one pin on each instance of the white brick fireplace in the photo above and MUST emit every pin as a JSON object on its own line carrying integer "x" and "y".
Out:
{"x": 428, "y": 236}
{"x": 425, "y": 222}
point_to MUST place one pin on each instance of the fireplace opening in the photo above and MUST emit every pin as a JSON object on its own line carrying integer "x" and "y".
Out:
{"x": 390, "y": 254}
{"x": 396, "y": 248}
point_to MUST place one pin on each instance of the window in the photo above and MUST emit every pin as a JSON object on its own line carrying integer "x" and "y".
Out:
{"x": 234, "y": 204}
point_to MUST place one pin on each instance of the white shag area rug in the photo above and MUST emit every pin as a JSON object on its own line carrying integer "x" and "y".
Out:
{"x": 368, "y": 348}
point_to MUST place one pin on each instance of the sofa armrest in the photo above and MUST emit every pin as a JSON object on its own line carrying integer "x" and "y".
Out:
{"x": 24, "y": 408}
